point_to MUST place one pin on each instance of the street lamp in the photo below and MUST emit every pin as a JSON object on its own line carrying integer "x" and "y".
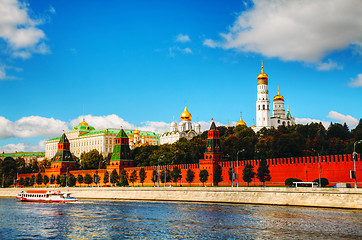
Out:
{"x": 232, "y": 170}
{"x": 237, "y": 164}
{"x": 66, "y": 178}
{"x": 158, "y": 171}
{"x": 319, "y": 168}
{"x": 354, "y": 162}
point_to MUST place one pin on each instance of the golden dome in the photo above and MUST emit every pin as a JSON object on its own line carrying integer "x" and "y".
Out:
{"x": 252, "y": 127}
{"x": 83, "y": 123}
{"x": 136, "y": 132}
{"x": 185, "y": 115}
{"x": 241, "y": 122}
{"x": 262, "y": 77}
{"x": 278, "y": 97}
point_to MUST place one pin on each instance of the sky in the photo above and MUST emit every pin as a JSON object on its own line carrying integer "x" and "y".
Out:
{"x": 135, "y": 63}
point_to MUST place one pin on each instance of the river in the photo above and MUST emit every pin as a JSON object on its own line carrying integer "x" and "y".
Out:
{"x": 101, "y": 219}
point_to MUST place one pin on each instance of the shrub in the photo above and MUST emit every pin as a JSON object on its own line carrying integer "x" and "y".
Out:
{"x": 324, "y": 181}
{"x": 289, "y": 181}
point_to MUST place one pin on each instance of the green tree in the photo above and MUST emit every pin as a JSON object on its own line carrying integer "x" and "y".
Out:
{"x": 176, "y": 174}
{"x": 91, "y": 160}
{"x": 289, "y": 181}
{"x": 123, "y": 178}
{"x": 263, "y": 172}
{"x": 142, "y": 175}
{"x": 114, "y": 176}
{"x": 21, "y": 182}
{"x": 190, "y": 175}
{"x": 63, "y": 180}
{"x": 80, "y": 179}
{"x": 71, "y": 180}
{"x": 57, "y": 180}
{"x": 27, "y": 181}
{"x": 154, "y": 176}
{"x": 217, "y": 175}
{"x": 162, "y": 176}
{"x": 204, "y": 175}
{"x": 45, "y": 164}
{"x": 324, "y": 181}
{"x": 106, "y": 177}
{"x": 46, "y": 179}
{"x": 133, "y": 177}
{"x": 88, "y": 179}
{"x": 32, "y": 180}
{"x": 39, "y": 179}
{"x": 8, "y": 170}
{"x": 248, "y": 173}
{"x": 52, "y": 179}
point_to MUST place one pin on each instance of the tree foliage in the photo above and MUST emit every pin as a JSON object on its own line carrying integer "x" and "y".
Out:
{"x": 263, "y": 172}
{"x": 91, "y": 160}
{"x": 204, "y": 175}
{"x": 217, "y": 175}
{"x": 80, "y": 179}
{"x": 190, "y": 175}
{"x": 248, "y": 173}
{"x": 123, "y": 178}
{"x": 106, "y": 177}
{"x": 88, "y": 179}
{"x": 176, "y": 174}
{"x": 39, "y": 179}
{"x": 114, "y": 177}
{"x": 133, "y": 177}
{"x": 142, "y": 175}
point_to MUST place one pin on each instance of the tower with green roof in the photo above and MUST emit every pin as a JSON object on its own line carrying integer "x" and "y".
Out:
{"x": 213, "y": 153}
{"x": 63, "y": 160}
{"x": 121, "y": 156}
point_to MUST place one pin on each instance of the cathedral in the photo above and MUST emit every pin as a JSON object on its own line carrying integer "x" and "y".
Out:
{"x": 263, "y": 118}
{"x": 184, "y": 129}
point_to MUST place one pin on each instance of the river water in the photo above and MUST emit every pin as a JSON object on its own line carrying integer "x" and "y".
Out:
{"x": 96, "y": 219}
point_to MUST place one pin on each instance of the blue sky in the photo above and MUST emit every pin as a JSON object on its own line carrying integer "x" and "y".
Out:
{"x": 135, "y": 63}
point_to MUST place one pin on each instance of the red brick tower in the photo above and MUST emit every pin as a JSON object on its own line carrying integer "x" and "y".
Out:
{"x": 121, "y": 156}
{"x": 213, "y": 154}
{"x": 63, "y": 161}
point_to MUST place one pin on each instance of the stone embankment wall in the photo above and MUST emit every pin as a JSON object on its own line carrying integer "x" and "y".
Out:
{"x": 311, "y": 197}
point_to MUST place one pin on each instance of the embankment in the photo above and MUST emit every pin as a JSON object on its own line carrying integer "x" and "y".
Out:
{"x": 309, "y": 197}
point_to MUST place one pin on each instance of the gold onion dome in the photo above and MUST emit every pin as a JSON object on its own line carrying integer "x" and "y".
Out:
{"x": 137, "y": 132}
{"x": 262, "y": 77}
{"x": 83, "y": 123}
{"x": 241, "y": 122}
{"x": 278, "y": 97}
{"x": 185, "y": 115}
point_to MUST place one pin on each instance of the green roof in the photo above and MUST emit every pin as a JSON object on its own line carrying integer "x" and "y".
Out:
{"x": 23, "y": 154}
{"x": 121, "y": 134}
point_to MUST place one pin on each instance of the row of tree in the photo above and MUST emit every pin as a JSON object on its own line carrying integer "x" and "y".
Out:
{"x": 243, "y": 143}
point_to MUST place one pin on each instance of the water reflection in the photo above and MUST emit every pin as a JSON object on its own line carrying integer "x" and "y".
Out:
{"x": 168, "y": 220}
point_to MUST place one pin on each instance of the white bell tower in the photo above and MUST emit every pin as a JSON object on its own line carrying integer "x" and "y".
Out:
{"x": 263, "y": 102}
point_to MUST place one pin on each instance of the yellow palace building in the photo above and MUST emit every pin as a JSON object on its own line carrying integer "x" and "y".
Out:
{"x": 84, "y": 138}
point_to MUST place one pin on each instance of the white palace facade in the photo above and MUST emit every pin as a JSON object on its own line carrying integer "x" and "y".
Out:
{"x": 184, "y": 129}
{"x": 84, "y": 138}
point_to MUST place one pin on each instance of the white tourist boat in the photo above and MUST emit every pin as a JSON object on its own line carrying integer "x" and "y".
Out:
{"x": 45, "y": 196}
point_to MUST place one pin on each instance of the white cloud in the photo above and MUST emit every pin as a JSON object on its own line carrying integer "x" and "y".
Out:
{"x": 348, "y": 119}
{"x": 305, "y": 121}
{"x": 295, "y": 30}
{"x": 20, "y": 31}
{"x": 52, "y": 10}
{"x": 24, "y": 147}
{"x": 3, "y": 72}
{"x": 356, "y": 82}
{"x": 29, "y": 127}
{"x": 183, "y": 38}
{"x": 175, "y": 49}
{"x": 211, "y": 43}
{"x": 157, "y": 127}
{"x": 102, "y": 122}
{"x": 326, "y": 66}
